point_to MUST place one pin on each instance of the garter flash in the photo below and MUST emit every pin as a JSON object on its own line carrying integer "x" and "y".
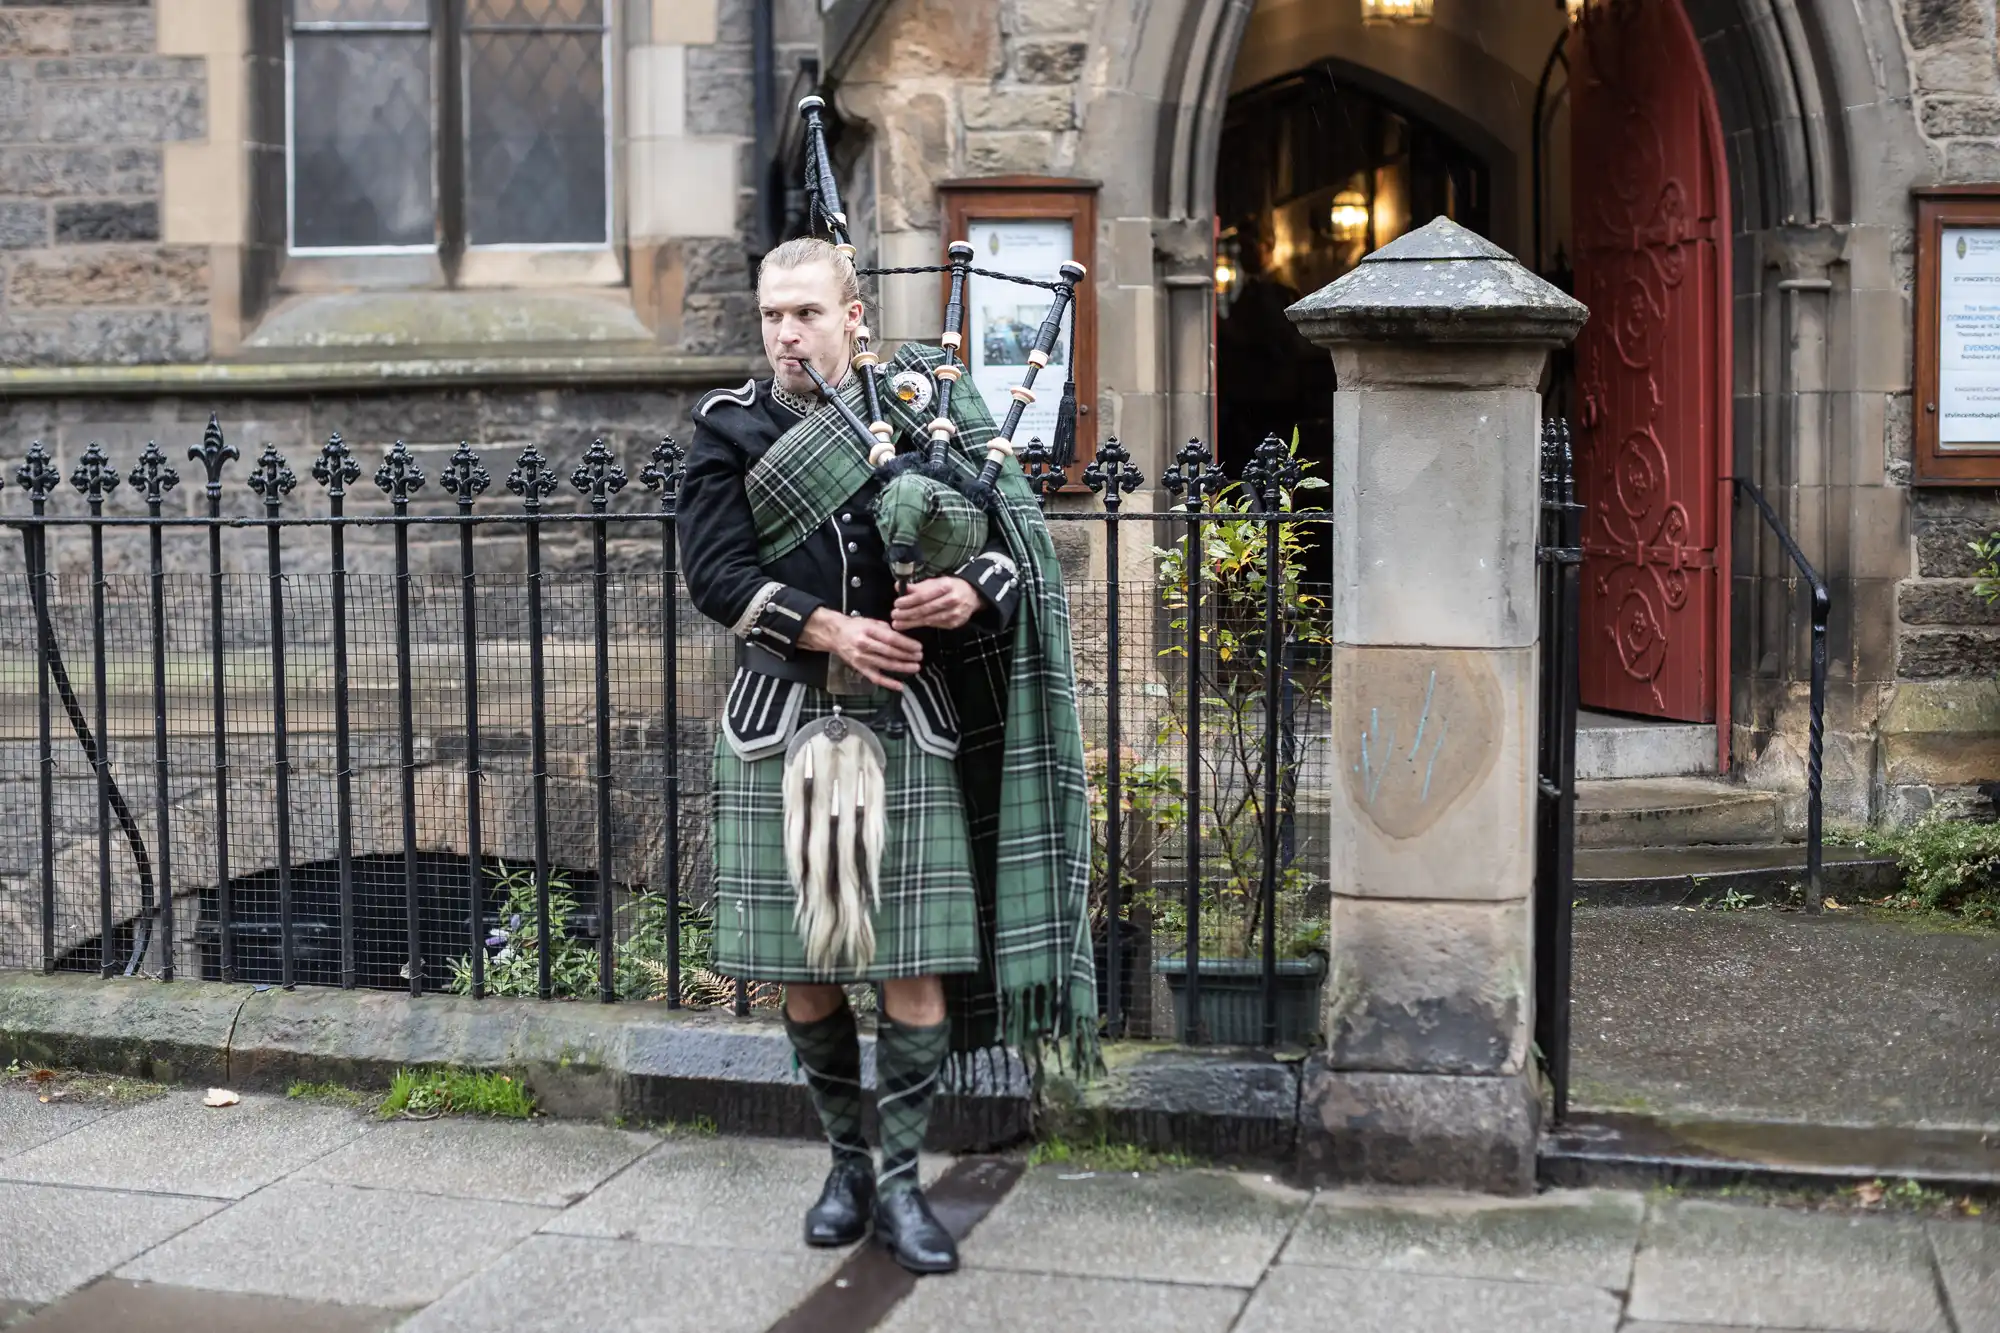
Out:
{"x": 835, "y": 822}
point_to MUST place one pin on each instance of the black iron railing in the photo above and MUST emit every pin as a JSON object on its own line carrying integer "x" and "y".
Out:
{"x": 1560, "y": 555}
{"x": 1820, "y": 607}
{"x": 460, "y": 743}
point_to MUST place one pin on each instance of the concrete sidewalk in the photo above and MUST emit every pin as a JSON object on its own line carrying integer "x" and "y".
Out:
{"x": 163, "y": 1214}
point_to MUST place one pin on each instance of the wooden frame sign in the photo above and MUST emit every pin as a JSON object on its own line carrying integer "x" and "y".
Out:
{"x": 1028, "y": 225}
{"x": 1958, "y": 336}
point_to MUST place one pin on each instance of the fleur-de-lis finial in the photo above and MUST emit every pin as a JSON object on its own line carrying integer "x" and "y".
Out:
{"x": 153, "y": 476}
{"x": 598, "y": 475}
{"x": 1193, "y": 475}
{"x": 464, "y": 477}
{"x": 399, "y": 476}
{"x": 38, "y": 475}
{"x": 531, "y": 478}
{"x": 272, "y": 478}
{"x": 212, "y": 453}
{"x": 1112, "y": 473}
{"x": 1043, "y": 475}
{"x": 665, "y": 467}
{"x": 1270, "y": 470}
{"x": 335, "y": 467}
{"x": 94, "y": 476}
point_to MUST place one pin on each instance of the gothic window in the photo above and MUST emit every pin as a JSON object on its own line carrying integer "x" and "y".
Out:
{"x": 447, "y": 126}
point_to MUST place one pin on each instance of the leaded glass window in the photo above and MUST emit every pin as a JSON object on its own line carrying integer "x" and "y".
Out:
{"x": 448, "y": 124}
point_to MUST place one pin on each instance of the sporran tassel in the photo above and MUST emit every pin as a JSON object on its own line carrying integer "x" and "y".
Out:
{"x": 835, "y": 828}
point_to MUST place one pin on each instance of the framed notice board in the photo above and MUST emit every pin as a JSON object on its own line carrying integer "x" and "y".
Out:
{"x": 1028, "y": 225}
{"x": 1958, "y": 336}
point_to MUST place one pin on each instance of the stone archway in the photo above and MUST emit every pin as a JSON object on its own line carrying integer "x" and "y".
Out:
{"x": 1814, "y": 233}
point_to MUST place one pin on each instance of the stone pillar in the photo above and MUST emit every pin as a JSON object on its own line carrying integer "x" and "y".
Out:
{"x": 1439, "y": 340}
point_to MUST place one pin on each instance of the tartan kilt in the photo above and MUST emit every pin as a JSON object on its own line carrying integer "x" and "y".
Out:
{"x": 927, "y": 922}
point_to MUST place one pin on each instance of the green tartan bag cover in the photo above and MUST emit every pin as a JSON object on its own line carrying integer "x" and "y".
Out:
{"x": 928, "y": 527}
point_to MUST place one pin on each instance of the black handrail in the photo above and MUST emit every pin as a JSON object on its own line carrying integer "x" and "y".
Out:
{"x": 1822, "y": 605}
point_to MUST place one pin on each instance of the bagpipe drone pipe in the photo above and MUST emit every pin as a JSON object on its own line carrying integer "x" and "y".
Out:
{"x": 932, "y": 513}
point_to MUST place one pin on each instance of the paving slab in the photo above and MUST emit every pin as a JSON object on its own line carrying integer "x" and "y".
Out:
{"x": 1716, "y": 1263}
{"x": 1213, "y": 1228}
{"x": 1304, "y": 1297}
{"x": 175, "y": 1145}
{"x": 1578, "y": 1237}
{"x": 973, "y": 1301}
{"x": 1968, "y": 1255}
{"x": 116, "y": 1304}
{"x": 26, "y": 1120}
{"x": 560, "y": 1284}
{"x": 1836, "y": 1019}
{"x": 747, "y": 1194}
{"x": 53, "y": 1240}
{"x": 540, "y": 1161}
{"x": 317, "y": 1242}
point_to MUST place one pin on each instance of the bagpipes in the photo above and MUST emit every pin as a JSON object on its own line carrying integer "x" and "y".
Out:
{"x": 931, "y": 515}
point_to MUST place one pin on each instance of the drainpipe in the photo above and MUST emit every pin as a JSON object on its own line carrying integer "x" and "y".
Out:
{"x": 764, "y": 76}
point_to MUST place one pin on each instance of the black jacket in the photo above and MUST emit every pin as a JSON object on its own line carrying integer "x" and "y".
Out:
{"x": 842, "y": 566}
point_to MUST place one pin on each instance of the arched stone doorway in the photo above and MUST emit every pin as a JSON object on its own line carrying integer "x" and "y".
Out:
{"x": 1483, "y": 74}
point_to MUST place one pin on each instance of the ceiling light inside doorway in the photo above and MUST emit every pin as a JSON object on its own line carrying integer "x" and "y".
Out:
{"x": 1374, "y": 12}
{"x": 1350, "y": 215}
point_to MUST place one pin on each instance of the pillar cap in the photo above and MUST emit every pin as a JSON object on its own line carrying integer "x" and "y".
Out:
{"x": 1439, "y": 284}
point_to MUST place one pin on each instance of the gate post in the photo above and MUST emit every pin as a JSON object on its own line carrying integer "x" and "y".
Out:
{"x": 1439, "y": 340}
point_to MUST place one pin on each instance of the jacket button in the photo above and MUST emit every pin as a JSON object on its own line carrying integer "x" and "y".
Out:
{"x": 853, "y": 546}
{"x": 854, "y": 582}
{"x": 847, "y": 518}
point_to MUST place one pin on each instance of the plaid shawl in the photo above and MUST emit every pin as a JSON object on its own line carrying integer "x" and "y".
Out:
{"x": 1021, "y": 762}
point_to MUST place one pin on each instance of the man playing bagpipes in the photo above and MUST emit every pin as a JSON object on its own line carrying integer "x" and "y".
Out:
{"x": 899, "y": 785}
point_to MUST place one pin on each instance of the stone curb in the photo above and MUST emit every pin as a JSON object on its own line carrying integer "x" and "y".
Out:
{"x": 642, "y": 1062}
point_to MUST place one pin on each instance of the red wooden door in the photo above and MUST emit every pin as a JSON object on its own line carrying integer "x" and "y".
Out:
{"x": 1650, "y": 219}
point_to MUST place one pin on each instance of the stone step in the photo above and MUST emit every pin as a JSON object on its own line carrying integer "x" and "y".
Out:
{"x": 1613, "y": 1150}
{"x": 1674, "y": 812}
{"x": 1611, "y": 746}
{"x": 1676, "y": 876}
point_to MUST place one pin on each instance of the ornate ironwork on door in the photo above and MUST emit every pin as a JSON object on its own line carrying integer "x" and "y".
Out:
{"x": 1651, "y": 214}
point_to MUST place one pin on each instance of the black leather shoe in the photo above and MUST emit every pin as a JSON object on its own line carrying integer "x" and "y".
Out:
{"x": 905, "y": 1226}
{"x": 841, "y": 1215}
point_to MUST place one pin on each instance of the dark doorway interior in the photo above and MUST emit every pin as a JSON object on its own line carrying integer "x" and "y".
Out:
{"x": 1314, "y": 174}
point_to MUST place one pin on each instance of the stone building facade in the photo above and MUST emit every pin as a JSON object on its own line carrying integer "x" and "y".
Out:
{"x": 149, "y": 162}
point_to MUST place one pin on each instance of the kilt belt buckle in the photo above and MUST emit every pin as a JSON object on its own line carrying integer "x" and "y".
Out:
{"x": 843, "y": 679}
{"x": 835, "y": 824}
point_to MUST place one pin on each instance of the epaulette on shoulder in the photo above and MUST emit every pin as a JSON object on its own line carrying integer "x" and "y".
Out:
{"x": 742, "y": 397}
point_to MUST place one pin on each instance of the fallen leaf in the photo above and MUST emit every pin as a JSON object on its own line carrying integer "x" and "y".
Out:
{"x": 1869, "y": 1194}
{"x": 42, "y": 1075}
{"x": 1833, "y": 906}
{"x": 220, "y": 1097}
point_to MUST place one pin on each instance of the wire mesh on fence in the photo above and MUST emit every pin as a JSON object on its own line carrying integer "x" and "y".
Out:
{"x": 335, "y": 719}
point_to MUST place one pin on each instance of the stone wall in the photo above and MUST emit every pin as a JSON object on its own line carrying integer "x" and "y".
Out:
{"x": 1944, "y": 631}
{"x": 85, "y": 109}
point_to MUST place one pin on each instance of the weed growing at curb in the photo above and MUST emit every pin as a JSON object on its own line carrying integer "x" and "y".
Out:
{"x": 1867, "y": 1196}
{"x": 1106, "y": 1156}
{"x": 428, "y": 1093}
{"x": 331, "y": 1094}
{"x": 76, "y": 1085}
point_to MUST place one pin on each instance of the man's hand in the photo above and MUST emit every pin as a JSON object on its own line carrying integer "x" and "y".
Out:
{"x": 879, "y": 653}
{"x": 940, "y": 603}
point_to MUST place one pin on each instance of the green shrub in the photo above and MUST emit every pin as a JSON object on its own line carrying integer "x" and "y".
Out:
{"x": 1949, "y": 865}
